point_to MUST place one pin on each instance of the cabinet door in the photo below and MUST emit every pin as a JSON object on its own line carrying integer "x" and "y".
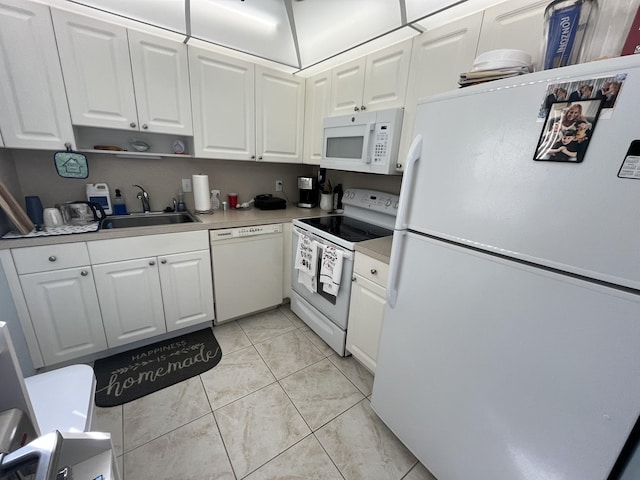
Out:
{"x": 223, "y": 102}
{"x": 187, "y": 290}
{"x": 161, "y": 80}
{"x": 97, "y": 71}
{"x": 514, "y": 24}
{"x": 130, "y": 300}
{"x": 65, "y": 313}
{"x": 366, "y": 312}
{"x": 386, "y": 74}
{"x": 279, "y": 116}
{"x": 33, "y": 104}
{"x": 347, "y": 85}
{"x": 317, "y": 106}
{"x": 437, "y": 59}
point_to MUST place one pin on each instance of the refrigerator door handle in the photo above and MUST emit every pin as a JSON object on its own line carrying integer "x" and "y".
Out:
{"x": 394, "y": 266}
{"x": 415, "y": 150}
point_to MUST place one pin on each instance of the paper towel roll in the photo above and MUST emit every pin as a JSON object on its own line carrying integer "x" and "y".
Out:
{"x": 201, "y": 197}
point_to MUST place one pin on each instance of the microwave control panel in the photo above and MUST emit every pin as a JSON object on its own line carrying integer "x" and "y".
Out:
{"x": 381, "y": 143}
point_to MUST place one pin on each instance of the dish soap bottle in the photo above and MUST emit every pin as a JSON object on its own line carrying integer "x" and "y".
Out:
{"x": 119, "y": 206}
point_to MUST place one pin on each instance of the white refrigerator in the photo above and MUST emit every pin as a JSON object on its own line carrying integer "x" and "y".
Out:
{"x": 511, "y": 340}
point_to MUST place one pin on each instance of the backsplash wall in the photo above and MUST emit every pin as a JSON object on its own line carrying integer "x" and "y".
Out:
{"x": 162, "y": 178}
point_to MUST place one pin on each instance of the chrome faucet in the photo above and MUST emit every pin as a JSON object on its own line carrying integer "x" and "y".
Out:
{"x": 143, "y": 196}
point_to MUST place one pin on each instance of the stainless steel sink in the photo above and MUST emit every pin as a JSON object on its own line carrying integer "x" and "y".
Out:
{"x": 147, "y": 220}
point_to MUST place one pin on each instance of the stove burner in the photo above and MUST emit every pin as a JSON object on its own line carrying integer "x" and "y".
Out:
{"x": 347, "y": 228}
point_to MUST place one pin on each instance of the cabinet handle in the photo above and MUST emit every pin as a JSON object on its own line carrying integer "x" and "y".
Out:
{"x": 363, "y": 108}
{"x": 132, "y": 125}
{"x": 163, "y": 261}
{"x": 84, "y": 273}
{"x": 144, "y": 126}
{"x": 373, "y": 271}
{"x": 356, "y": 109}
{"x": 152, "y": 263}
{"x": 53, "y": 258}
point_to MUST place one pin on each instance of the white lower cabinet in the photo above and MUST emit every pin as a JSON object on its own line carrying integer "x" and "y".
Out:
{"x": 59, "y": 292}
{"x": 65, "y": 313}
{"x": 86, "y": 297}
{"x": 366, "y": 310}
{"x": 151, "y": 285}
{"x": 130, "y": 300}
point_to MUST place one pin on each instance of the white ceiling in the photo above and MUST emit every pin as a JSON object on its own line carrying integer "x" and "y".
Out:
{"x": 296, "y": 34}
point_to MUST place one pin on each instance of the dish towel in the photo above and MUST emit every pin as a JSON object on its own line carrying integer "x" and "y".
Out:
{"x": 306, "y": 262}
{"x": 331, "y": 269}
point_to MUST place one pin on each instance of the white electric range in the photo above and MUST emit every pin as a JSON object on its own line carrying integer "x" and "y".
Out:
{"x": 368, "y": 214}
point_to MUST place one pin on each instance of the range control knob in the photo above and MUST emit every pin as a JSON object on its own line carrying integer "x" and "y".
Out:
{"x": 387, "y": 203}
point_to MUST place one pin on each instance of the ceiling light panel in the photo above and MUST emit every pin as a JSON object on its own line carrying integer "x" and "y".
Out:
{"x": 328, "y": 27}
{"x": 258, "y": 27}
{"x": 167, "y": 14}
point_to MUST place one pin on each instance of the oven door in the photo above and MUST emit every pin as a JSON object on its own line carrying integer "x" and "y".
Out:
{"x": 335, "y": 308}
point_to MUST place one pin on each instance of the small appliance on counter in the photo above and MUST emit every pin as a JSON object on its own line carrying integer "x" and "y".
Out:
{"x": 308, "y": 191}
{"x": 269, "y": 202}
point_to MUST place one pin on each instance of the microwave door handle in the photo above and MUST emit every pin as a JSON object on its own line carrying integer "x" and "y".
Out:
{"x": 367, "y": 140}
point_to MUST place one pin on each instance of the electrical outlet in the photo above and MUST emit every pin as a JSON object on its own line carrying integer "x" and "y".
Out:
{"x": 278, "y": 185}
{"x": 186, "y": 184}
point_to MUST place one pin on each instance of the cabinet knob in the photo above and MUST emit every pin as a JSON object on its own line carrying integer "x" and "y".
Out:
{"x": 132, "y": 125}
{"x": 398, "y": 166}
{"x": 363, "y": 108}
{"x": 152, "y": 263}
{"x": 144, "y": 126}
{"x": 163, "y": 261}
{"x": 53, "y": 258}
{"x": 373, "y": 271}
{"x": 353, "y": 279}
{"x": 260, "y": 157}
{"x": 84, "y": 273}
{"x": 253, "y": 157}
{"x": 356, "y": 109}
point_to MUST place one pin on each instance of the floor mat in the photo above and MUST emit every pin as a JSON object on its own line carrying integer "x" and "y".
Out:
{"x": 130, "y": 375}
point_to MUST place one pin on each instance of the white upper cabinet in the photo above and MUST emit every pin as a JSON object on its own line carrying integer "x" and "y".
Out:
{"x": 317, "y": 102}
{"x": 161, "y": 79}
{"x": 515, "y": 24}
{"x": 97, "y": 71}
{"x": 223, "y": 99}
{"x": 374, "y": 82}
{"x": 33, "y": 103}
{"x": 245, "y": 112}
{"x": 279, "y": 116}
{"x": 124, "y": 79}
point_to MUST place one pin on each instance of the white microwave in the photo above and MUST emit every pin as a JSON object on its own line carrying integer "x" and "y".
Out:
{"x": 363, "y": 142}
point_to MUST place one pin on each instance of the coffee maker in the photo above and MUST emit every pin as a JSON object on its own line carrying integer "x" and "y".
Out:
{"x": 308, "y": 190}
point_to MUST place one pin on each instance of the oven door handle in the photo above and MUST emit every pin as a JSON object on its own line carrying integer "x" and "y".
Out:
{"x": 321, "y": 242}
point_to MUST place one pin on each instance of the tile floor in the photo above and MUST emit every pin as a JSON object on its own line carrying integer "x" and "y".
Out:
{"x": 279, "y": 405}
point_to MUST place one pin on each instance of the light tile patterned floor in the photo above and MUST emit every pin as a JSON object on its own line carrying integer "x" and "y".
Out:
{"x": 280, "y": 404}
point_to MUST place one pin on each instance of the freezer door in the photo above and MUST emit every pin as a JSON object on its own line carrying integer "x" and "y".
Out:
{"x": 492, "y": 369}
{"x": 477, "y": 181}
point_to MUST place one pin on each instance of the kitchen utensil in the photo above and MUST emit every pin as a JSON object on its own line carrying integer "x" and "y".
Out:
{"x": 70, "y": 164}
{"x": 52, "y": 217}
{"x": 83, "y": 213}
{"x": 34, "y": 209}
{"x": 14, "y": 211}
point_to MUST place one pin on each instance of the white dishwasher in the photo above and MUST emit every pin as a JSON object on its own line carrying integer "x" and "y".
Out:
{"x": 247, "y": 270}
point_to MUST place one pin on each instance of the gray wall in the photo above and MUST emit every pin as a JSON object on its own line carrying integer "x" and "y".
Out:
{"x": 162, "y": 178}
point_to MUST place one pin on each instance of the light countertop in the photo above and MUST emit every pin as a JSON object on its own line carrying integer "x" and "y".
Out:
{"x": 219, "y": 219}
{"x": 378, "y": 248}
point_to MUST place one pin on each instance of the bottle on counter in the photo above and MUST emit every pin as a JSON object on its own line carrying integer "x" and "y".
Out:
{"x": 119, "y": 205}
{"x": 181, "y": 206}
{"x": 337, "y": 197}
